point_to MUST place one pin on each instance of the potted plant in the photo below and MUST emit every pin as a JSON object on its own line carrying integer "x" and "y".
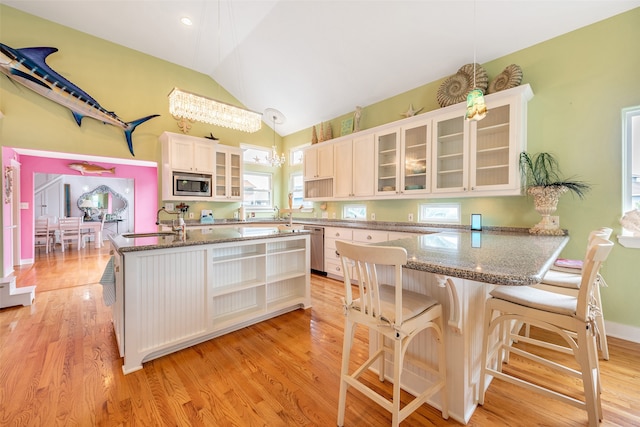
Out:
{"x": 542, "y": 178}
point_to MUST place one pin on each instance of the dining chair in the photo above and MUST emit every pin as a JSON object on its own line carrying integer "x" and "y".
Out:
{"x": 43, "y": 234}
{"x": 571, "y": 318}
{"x": 397, "y": 316}
{"x": 566, "y": 280}
{"x": 70, "y": 231}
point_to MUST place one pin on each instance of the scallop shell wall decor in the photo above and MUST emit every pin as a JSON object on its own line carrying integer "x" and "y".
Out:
{"x": 509, "y": 78}
{"x": 455, "y": 88}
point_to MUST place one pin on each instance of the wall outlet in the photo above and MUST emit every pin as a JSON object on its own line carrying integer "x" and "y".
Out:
{"x": 333, "y": 215}
{"x": 410, "y": 217}
{"x": 168, "y": 206}
{"x": 373, "y": 217}
{"x": 190, "y": 215}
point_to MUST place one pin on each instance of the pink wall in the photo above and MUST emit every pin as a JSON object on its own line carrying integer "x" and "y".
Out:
{"x": 145, "y": 193}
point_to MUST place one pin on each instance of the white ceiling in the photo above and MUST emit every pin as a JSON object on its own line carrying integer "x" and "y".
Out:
{"x": 315, "y": 60}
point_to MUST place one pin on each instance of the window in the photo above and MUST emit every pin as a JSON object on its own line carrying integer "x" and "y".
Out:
{"x": 255, "y": 155}
{"x": 296, "y": 186}
{"x": 295, "y": 155}
{"x": 258, "y": 190}
{"x": 354, "y": 212}
{"x": 631, "y": 163}
{"x": 437, "y": 213}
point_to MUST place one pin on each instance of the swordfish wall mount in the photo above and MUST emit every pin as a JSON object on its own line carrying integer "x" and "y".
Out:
{"x": 28, "y": 67}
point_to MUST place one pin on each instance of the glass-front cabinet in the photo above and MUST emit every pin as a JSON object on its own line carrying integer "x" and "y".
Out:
{"x": 493, "y": 159}
{"x": 415, "y": 158}
{"x": 481, "y": 156}
{"x": 228, "y": 176}
{"x": 450, "y": 154}
{"x": 437, "y": 153}
{"x": 387, "y": 161}
{"x": 402, "y": 159}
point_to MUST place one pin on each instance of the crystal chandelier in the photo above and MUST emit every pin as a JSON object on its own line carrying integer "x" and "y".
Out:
{"x": 278, "y": 118}
{"x": 187, "y": 105}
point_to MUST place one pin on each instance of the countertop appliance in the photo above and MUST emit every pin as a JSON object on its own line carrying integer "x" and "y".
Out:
{"x": 317, "y": 249}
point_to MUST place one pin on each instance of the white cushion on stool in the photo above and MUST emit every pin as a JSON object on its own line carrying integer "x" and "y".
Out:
{"x": 537, "y": 298}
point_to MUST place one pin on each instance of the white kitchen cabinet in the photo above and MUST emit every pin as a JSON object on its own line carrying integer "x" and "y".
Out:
{"x": 369, "y": 236}
{"x": 402, "y": 159}
{"x": 251, "y": 280}
{"x": 481, "y": 158}
{"x": 318, "y": 172}
{"x": 332, "y": 264}
{"x": 318, "y": 161}
{"x": 187, "y": 153}
{"x": 228, "y": 173}
{"x": 117, "y": 308}
{"x": 172, "y": 298}
{"x": 354, "y": 167}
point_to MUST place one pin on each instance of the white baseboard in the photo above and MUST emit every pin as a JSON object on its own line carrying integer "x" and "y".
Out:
{"x": 624, "y": 332}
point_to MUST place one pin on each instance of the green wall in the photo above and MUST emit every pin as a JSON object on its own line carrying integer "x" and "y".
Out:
{"x": 581, "y": 81}
{"x": 122, "y": 80}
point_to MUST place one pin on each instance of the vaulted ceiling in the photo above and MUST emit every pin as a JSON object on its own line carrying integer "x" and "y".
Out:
{"x": 317, "y": 59}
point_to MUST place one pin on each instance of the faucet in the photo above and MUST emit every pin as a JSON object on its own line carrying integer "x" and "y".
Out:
{"x": 181, "y": 225}
{"x": 277, "y": 215}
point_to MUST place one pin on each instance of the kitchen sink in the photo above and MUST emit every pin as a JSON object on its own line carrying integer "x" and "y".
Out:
{"x": 154, "y": 234}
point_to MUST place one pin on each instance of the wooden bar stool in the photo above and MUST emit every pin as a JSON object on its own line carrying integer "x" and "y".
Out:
{"x": 572, "y": 318}
{"x": 397, "y": 315}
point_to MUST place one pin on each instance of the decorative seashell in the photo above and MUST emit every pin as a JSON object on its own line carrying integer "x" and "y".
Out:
{"x": 509, "y": 78}
{"x": 455, "y": 88}
{"x": 631, "y": 221}
{"x": 481, "y": 81}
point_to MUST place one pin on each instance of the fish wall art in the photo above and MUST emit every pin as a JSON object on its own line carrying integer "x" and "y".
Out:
{"x": 28, "y": 67}
{"x": 86, "y": 167}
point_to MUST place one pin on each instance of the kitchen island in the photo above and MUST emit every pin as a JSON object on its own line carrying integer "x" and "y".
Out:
{"x": 176, "y": 290}
{"x": 459, "y": 269}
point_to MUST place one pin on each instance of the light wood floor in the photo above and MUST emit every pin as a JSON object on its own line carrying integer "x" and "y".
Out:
{"x": 59, "y": 366}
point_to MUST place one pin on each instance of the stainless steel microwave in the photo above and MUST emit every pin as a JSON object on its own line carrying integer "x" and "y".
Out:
{"x": 191, "y": 184}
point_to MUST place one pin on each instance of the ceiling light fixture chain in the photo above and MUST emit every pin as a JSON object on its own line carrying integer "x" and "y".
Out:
{"x": 476, "y": 107}
{"x": 277, "y": 118}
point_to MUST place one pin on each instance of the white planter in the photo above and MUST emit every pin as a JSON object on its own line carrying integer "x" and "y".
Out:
{"x": 546, "y": 202}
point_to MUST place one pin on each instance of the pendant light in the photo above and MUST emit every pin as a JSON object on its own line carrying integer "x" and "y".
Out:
{"x": 277, "y": 118}
{"x": 476, "y": 107}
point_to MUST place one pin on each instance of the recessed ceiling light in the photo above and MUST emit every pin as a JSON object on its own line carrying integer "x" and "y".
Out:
{"x": 186, "y": 21}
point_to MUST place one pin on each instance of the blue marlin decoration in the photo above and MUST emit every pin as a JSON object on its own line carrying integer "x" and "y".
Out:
{"x": 28, "y": 67}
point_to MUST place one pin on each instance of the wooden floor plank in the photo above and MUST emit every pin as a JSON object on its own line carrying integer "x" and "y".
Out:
{"x": 59, "y": 365}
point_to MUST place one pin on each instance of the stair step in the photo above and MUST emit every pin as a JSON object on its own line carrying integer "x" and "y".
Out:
{"x": 11, "y": 296}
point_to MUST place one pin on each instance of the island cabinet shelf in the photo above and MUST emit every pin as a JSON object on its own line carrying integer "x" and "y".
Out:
{"x": 175, "y": 297}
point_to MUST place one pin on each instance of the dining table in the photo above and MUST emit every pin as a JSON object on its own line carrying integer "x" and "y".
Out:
{"x": 95, "y": 227}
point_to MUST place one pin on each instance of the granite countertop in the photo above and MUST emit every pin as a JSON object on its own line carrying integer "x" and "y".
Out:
{"x": 409, "y": 227}
{"x": 501, "y": 258}
{"x": 199, "y": 236}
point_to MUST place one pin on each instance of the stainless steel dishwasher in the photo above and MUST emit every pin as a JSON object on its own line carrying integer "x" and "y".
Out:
{"x": 317, "y": 249}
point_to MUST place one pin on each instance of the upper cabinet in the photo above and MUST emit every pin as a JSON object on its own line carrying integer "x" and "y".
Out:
{"x": 318, "y": 161}
{"x": 318, "y": 171}
{"x": 402, "y": 159}
{"x": 228, "y": 176}
{"x": 481, "y": 158}
{"x": 187, "y": 153}
{"x": 354, "y": 167}
{"x": 437, "y": 153}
